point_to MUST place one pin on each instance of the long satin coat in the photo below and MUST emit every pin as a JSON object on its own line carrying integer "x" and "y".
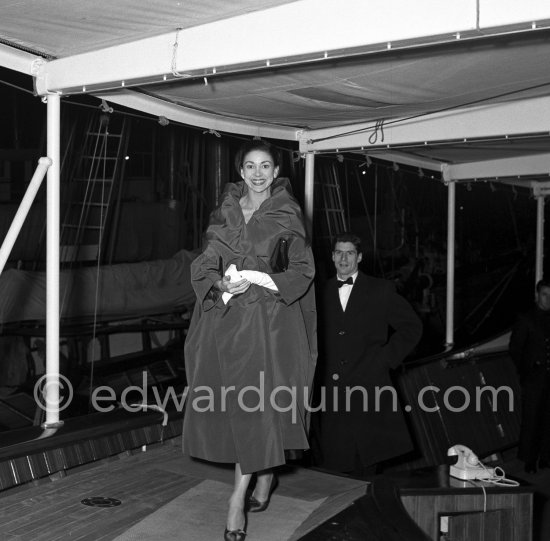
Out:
{"x": 250, "y": 362}
{"x": 359, "y": 348}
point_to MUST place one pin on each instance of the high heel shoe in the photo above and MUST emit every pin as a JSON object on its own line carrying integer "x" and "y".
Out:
{"x": 257, "y": 506}
{"x": 234, "y": 535}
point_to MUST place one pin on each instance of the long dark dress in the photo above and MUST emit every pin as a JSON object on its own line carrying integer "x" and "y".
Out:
{"x": 255, "y": 343}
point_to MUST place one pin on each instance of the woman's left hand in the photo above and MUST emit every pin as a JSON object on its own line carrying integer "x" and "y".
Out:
{"x": 235, "y": 288}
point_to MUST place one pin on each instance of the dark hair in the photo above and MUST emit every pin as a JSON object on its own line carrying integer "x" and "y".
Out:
{"x": 542, "y": 283}
{"x": 348, "y": 236}
{"x": 256, "y": 144}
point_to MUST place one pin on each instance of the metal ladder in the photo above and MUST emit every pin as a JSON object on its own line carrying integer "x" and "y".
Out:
{"x": 330, "y": 205}
{"x": 93, "y": 190}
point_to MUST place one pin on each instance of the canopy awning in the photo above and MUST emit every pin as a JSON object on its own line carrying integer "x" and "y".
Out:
{"x": 443, "y": 84}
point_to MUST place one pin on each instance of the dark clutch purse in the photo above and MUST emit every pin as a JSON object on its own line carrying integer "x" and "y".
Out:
{"x": 279, "y": 259}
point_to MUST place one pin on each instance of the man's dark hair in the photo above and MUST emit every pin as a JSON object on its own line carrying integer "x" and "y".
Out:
{"x": 256, "y": 144}
{"x": 542, "y": 283}
{"x": 348, "y": 236}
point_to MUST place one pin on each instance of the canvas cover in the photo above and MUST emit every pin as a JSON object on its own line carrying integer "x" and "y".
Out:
{"x": 107, "y": 292}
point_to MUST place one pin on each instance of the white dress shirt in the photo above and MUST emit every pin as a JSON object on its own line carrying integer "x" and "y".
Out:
{"x": 344, "y": 291}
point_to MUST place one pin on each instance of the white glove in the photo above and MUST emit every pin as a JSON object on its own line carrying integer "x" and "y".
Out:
{"x": 259, "y": 278}
{"x": 233, "y": 273}
{"x": 254, "y": 277}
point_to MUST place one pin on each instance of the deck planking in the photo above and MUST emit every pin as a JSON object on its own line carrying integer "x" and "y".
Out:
{"x": 52, "y": 510}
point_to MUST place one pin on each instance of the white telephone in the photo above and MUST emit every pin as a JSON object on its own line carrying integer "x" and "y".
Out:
{"x": 468, "y": 465}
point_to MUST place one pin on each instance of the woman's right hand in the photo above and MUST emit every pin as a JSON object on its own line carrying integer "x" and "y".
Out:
{"x": 235, "y": 288}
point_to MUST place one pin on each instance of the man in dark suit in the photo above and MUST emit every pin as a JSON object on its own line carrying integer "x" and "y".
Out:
{"x": 367, "y": 330}
{"x": 530, "y": 351}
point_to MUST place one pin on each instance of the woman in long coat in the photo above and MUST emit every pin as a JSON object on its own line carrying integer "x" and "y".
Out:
{"x": 251, "y": 348}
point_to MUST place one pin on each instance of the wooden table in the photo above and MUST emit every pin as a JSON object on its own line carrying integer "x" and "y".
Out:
{"x": 427, "y": 504}
{"x": 465, "y": 510}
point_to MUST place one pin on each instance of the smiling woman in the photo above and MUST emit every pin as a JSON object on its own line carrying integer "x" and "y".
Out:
{"x": 258, "y": 170}
{"x": 257, "y": 329}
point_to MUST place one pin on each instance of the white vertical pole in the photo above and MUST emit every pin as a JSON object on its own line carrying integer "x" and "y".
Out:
{"x": 451, "y": 229}
{"x": 539, "y": 267}
{"x": 52, "y": 264}
{"x": 308, "y": 192}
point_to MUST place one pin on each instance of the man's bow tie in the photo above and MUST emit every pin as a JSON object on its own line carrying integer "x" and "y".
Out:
{"x": 349, "y": 281}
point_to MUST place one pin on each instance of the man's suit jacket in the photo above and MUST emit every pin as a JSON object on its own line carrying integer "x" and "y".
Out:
{"x": 529, "y": 348}
{"x": 530, "y": 351}
{"x": 359, "y": 347}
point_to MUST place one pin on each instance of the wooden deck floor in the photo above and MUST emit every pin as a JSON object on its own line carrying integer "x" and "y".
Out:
{"x": 52, "y": 509}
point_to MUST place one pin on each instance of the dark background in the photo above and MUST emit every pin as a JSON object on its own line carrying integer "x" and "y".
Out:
{"x": 174, "y": 174}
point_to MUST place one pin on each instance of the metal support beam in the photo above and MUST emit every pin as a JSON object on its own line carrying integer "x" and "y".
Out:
{"x": 495, "y": 121}
{"x": 52, "y": 386}
{"x": 407, "y": 159}
{"x": 540, "y": 188}
{"x": 309, "y": 192}
{"x": 23, "y": 210}
{"x": 510, "y": 169}
{"x": 17, "y": 60}
{"x": 539, "y": 252}
{"x": 451, "y": 221}
{"x": 176, "y": 113}
{"x": 195, "y": 50}
{"x": 517, "y": 166}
